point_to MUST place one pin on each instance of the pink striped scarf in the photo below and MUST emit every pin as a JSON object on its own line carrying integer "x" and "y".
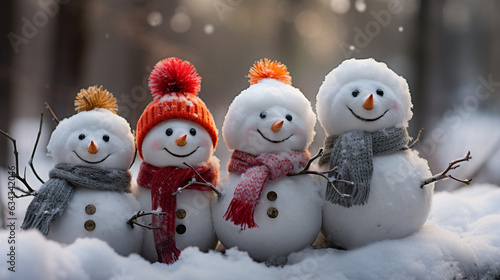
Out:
{"x": 256, "y": 171}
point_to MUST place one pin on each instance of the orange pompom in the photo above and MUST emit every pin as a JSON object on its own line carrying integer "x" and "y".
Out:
{"x": 95, "y": 97}
{"x": 263, "y": 69}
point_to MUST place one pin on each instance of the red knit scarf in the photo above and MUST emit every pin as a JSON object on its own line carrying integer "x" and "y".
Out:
{"x": 256, "y": 171}
{"x": 163, "y": 182}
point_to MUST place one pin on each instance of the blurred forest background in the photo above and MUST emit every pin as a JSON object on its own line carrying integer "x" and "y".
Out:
{"x": 448, "y": 50}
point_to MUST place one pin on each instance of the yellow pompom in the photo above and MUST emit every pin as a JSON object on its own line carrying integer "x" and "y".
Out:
{"x": 95, "y": 97}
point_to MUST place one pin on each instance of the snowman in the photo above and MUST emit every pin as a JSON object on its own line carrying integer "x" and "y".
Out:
{"x": 364, "y": 108}
{"x": 269, "y": 127}
{"x": 176, "y": 138}
{"x": 89, "y": 190}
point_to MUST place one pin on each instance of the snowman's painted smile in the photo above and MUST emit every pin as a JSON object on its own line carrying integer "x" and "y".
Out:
{"x": 366, "y": 120}
{"x": 91, "y": 162}
{"x": 186, "y": 155}
{"x": 273, "y": 141}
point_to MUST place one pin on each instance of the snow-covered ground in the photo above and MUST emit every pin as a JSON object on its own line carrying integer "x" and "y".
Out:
{"x": 461, "y": 240}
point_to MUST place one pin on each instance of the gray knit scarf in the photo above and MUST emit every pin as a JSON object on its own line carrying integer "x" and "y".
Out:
{"x": 352, "y": 153}
{"x": 53, "y": 196}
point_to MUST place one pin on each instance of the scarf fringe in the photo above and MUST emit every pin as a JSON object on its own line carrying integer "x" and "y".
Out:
{"x": 241, "y": 214}
{"x": 359, "y": 195}
{"x": 168, "y": 253}
{"x": 32, "y": 220}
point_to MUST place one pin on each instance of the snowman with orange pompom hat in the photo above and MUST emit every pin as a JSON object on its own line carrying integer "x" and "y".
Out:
{"x": 269, "y": 126}
{"x": 176, "y": 138}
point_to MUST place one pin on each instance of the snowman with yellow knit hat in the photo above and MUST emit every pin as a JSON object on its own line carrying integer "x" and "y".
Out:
{"x": 89, "y": 190}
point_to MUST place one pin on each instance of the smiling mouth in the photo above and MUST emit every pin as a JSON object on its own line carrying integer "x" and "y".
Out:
{"x": 91, "y": 162}
{"x": 177, "y": 155}
{"x": 273, "y": 141}
{"x": 366, "y": 120}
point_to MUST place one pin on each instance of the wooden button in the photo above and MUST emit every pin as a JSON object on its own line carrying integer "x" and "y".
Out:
{"x": 272, "y": 212}
{"x": 90, "y": 209}
{"x": 180, "y": 213}
{"x": 272, "y": 196}
{"x": 89, "y": 225}
{"x": 180, "y": 229}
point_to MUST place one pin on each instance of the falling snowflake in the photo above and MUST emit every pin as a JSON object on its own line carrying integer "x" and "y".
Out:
{"x": 360, "y": 5}
{"x": 154, "y": 18}
{"x": 209, "y": 29}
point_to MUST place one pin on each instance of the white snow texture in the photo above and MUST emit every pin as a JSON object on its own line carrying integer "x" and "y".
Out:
{"x": 461, "y": 238}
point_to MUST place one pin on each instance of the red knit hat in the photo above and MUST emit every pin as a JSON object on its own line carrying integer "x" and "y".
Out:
{"x": 174, "y": 85}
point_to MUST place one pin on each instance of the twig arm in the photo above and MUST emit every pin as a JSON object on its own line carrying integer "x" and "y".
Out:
{"x": 54, "y": 117}
{"x": 133, "y": 220}
{"x": 23, "y": 180}
{"x": 416, "y": 139}
{"x": 34, "y": 150}
{"x": 444, "y": 175}
{"x": 204, "y": 183}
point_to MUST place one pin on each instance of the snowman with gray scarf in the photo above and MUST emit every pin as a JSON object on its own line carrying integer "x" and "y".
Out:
{"x": 364, "y": 108}
{"x": 88, "y": 194}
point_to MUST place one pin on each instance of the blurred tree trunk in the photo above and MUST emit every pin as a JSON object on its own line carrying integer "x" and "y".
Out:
{"x": 5, "y": 95}
{"x": 6, "y": 51}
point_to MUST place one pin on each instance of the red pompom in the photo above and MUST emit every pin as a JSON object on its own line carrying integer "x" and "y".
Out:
{"x": 173, "y": 75}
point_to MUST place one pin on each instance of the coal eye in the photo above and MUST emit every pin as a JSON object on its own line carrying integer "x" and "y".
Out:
{"x": 263, "y": 115}
{"x": 355, "y": 93}
{"x": 105, "y": 137}
{"x": 169, "y": 131}
{"x": 81, "y": 136}
{"x": 380, "y": 92}
{"x": 289, "y": 117}
{"x": 192, "y": 131}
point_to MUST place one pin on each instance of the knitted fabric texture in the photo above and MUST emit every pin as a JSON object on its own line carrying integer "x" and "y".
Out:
{"x": 175, "y": 105}
{"x": 352, "y": 153}
{"x": 163, "y": 182}
{"x": 256, "y": 172}
{"x": 53, "y": 196}
{"x": 174, "y": 85}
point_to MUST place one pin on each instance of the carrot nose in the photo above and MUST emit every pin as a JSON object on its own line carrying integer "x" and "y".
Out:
{"x": 92, "y": 148}
{"x": 368, "y": 105}
{"x": 277, "y": 126}
{"x": 181, "y": 141}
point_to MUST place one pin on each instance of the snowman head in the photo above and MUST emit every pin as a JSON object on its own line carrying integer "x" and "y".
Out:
{"x": 176, "y": 127}
{"x": 175, "y": 141}
{"x": 96, "y": 136}
{"x": 363, "y": 94}
{"x": 270, "y": 116}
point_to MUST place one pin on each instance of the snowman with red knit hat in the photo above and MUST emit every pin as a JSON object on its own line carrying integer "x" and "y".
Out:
{"x": 176, "y": 138}
{"x": 269, "y": 127}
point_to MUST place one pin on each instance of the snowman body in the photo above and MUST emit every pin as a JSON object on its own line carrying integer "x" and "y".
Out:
{"x": 366, "y": 96}
{"x": 193, "y": 222}
{"x": 193, "y": 218}
{"x": 102, "y": 215}
{"x": 288, "y": 217}
{"x": 396, "y": 206}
